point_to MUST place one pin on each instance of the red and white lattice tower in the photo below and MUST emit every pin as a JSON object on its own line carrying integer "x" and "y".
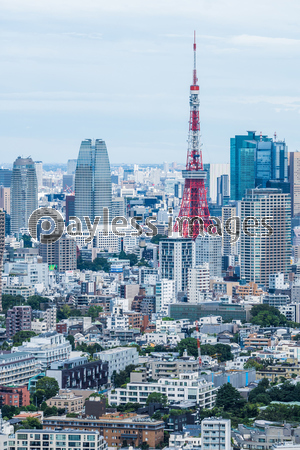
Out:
{"x": 194, "y": 202}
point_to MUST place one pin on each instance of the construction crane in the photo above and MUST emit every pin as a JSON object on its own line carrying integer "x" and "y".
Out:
{"x": 199, "y": 349}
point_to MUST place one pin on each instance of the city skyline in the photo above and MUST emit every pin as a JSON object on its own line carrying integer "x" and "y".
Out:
{"x": 59, "y": 83}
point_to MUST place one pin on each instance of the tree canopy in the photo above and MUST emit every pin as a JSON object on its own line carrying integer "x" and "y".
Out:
{"x": 22, "y": 336}
{"x": 46, "y": 387}
{"x": 157, "y": 397}
{"x": 266, "y": 316}
{"x": 97, "y": 265}
{"x": 123, "y": 376}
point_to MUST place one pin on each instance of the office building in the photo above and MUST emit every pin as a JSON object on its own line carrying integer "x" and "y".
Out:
{"x": 71, "y": 166}
{"x": 116, "y": 428}
{"x": 18, "y": 319}
{"x": 118, "y": 207}
{"x": 5, "y": 199}
{"x": 294, "y": 179}
{"x": 70, "y": 207}
{"x": 276, "y": 300}
{"x": 17, "y": 368}
{"x": 93, "y": 188}
{"x": 5, "y": 177}
{"x": 24, "y": 193}
{"x": 39, "y": 173}
{"x": 216, "y": 171}
{"x": 79, "y": 373}
{"x": 194, "y": 311}
{"x": 46, "y": 348}
{"x": 2, "y": 247}
{"x": 271, "y": 162}
{"x": 198, "y": 283}
{"x": 188, "y": 386}
{"x": 68, "y": 183}
{"x": 176, "y": 256}
{"x": 118, "y": 359}
{"x": 62, "y": 255}
{"x": 208, "y": 249}
{"x": 216, "y": 433}
{"x": 266, "y": 251}
{"x": 58, "y": 439}
{"x": 223, "y": 190}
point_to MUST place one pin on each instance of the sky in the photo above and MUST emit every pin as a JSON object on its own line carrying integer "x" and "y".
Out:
{"x": 121, "y": 70}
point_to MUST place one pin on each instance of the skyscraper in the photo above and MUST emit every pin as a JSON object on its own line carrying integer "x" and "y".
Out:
{"x": 61, "y": 254}
{"x": 254, "y": 161}
{"x": 262, "y": 253}
{"x": 294, "y": 179}
{"x": 208, "y": 249}
{"x": 24, "y": 193}
{"x": 93, "y": 190}
{"x": 2, "y": 246}
{"x": 71, "y": 166}
{"x": 39, "y": 173}
{"x": 5, "y": 177}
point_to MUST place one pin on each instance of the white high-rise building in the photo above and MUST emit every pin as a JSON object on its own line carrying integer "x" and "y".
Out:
{"x": 228, "y": 213}
{"x": 215, "y": 171}
{"x": 176, "y": 256}
{"x": 208, "y": 249}
{"x": 39, "y": 173}
{"x": 216, "y": 433}
{"x": 165, "y": 295}
{"x": 71, "y": 166}
{"x": 198, "y": 283}
{"x": 266, "y": 251}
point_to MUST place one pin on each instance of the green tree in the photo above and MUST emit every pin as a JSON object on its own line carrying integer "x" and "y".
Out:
{"x": 9, "y": 411}
{"x": 97, "y": 265}
{"x": 35, "y": 300}
{"x": 8, "y": 301}
{"x": 71, "y": 339}
{"x": 223, "y": 351}
{"x": 188, "y": 344}
{"x": 22, "y": 336}
{"x": 94, "y": 311}
{"x": 157, "y": 397}
{"x": 266, "y": 316}
{"x": 229, "y": 398}
{"x": 252, "y": 363}
{"x": 158, "y": 237}
{"x": 91, "y": 349}
{"x": 64, "y": 312}
{"x": 31, "y": 423}
{"x": 49, "y": 386}
{"x": 123, "y": 376}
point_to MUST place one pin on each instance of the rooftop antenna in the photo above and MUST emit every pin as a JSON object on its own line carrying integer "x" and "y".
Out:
{"x": 275, "y": 136}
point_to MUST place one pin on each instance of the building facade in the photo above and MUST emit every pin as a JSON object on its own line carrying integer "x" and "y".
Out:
{"x": 93, "y": 188}
{"x": 118, "y": 358}
{"x": 24, "y": 193}
{"x": 17, "y": 368}
{"x": 18, "y": 319}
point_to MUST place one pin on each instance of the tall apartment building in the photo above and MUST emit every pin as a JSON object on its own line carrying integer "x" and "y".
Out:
{"x": 24, "y": 193}
{"x": 18, "y": 319}
{"x": 216, "y": 433}
{"x": 198, "y": 283}
{"x": 208, "y": 249}
{"x": 164, "y": 295}
{"x": 294, "y": 179}
{"x": 62, "y": 254}
{"x": 176, "y": 256}
{"x": 263, "y": 254}
{"x": 17, "y": 368}
{"x": 5, "y": 199}
{"x": 228, "y": 248}
{"x": 2, "y": 246}
{"x": 14, "y": 396}
{"x": 93, "y": 188}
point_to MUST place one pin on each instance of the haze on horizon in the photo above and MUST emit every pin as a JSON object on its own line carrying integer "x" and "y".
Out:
{"x": 121, "y": 71}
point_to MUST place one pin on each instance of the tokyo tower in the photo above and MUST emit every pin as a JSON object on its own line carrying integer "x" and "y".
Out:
{"x": 194, "y": 214}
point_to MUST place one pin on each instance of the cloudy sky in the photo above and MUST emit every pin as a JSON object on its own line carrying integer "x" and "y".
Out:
{"x": 120, "y": 70}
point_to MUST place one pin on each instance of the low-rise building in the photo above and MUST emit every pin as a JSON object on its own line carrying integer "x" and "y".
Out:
{"x": 118, "y": 358}
{"x": 46, "y": 348}
{"x": 257, "y": 340}
{"x": 188, "y": 386}
{"x": 14, "y": 396}
{"x": 17, "y": 368}
{"x": 79, "y": 373}
{"x": 67, "y": 400}
{"x": 115, "y": 428}
{"x": 170, "y": 367}
{"x": 32, "y": 439}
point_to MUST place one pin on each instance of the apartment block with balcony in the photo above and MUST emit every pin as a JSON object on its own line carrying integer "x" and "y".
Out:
{"x": 188, "y": 386}
{"x": 17, "y": 368}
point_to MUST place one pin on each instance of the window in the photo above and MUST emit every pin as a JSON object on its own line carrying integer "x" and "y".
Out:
{"x": 74, "y": 437}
